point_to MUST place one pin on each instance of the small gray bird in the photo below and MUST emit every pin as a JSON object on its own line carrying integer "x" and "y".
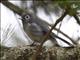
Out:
{"x": 36, "y": 29}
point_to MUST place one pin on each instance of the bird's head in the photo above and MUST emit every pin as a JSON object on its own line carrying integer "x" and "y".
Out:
{"x": 27, "y": 18}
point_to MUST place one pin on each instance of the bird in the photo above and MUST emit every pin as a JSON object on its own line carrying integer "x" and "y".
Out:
{"x": 36, "y": 29}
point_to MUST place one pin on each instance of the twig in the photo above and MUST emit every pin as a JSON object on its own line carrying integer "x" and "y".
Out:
{"x": 59, "y": 27}
{"x": 48, "y": 33}
{"x": 65, "y": 35}
{"x": 77, "y": 19}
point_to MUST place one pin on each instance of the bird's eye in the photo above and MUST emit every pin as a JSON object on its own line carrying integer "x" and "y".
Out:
{"x": 27, "y": 17}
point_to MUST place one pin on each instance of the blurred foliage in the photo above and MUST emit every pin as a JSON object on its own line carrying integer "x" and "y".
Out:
{"x": 56, "y": 5}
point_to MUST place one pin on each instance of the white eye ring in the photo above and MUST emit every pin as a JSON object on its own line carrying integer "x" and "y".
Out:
{"x": 27, "y": 17}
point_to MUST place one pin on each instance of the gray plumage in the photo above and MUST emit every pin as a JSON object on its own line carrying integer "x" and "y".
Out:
{"x": 36, "y": 29}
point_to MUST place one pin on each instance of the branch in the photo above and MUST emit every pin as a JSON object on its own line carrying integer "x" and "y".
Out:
{"x": 14, "y": 8}
{"x": 47, "y": 35}
{"x": 65, "y": 35}
{"x": 59, "y": 27}
{"x": 77, "y": 19}
{"x": 57, "y": 21}
{"x": 54, "y": 53}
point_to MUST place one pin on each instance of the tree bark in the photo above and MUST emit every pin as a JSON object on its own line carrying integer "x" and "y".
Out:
{"x": 54, "y": 53}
